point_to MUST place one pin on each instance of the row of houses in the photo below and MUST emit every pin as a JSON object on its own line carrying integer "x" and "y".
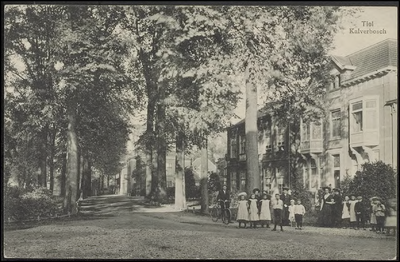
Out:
{"x": 360, "y": 126}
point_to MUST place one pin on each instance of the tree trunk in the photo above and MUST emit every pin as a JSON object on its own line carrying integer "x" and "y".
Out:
{"x": 63, "y": 175}
{"x": 71, "y": 186}
{"x": 149, "y": 164}
{"x": 86, "y": 180}
{"x": 204, "y": 178}
{"x": 52, "y": 152}
{"x": 79, "y": 188}
{"x": 180, "y": 194}
{"x": 150, "y": 178}
{"x": 252, "y": 162}
{"x": 43, "y": 157}
{"x": 161, "y": 146}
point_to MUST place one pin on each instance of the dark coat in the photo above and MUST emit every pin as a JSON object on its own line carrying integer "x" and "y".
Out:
{"x": 222, "y": 196}
{"x": 286, "y": 199}
{"x": 360, "y": 209}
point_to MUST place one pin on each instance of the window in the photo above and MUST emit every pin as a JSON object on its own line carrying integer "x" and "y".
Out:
{"x": 267, "y": 138}
{"x": 335, "y": 123}
{"x": 243, "y": 181}
{"x": 364, "y": 115}
{"x": 280, "y": 139}
{"x": 336, "y": 81}
{"x": 242, "y": 146}
{"x": 169, "y": 165}
{"x": 357, "y": 125}
{"x": 233, "y": 147}
{"x": 316, "y": 130}
{"x": 305, "y": 131}
{"x": 371, "y": 112}
{"x": 336, "y": 170}
{"x": 314, "y": 174}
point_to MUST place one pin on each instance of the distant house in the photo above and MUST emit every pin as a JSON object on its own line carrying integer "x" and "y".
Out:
{"x": 196, "y": 164}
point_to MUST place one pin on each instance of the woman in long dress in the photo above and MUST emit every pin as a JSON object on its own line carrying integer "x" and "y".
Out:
{"x": 326, "y": 208}
{"x": 265, "y": 211}
{"x": 353, "y": 217}
{"x": 242, "y": 213}
{"x": 253, "y": 211}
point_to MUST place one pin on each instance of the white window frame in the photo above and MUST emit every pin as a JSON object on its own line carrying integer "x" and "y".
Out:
{"x": 302, "y": 138}
{"x": 242, "y": 148}
{"x": 364, "y": 111}
{"x": 233, "y": 147}
{"x": 312, "y": 125}
{"x": 331, "y": 123}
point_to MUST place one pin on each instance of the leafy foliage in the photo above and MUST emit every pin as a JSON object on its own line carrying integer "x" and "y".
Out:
{"x": 214, "y": 182}
{"x": 375, "y": 179}
{"x": 192, "y": 191}
{"x": 22, "y": 204}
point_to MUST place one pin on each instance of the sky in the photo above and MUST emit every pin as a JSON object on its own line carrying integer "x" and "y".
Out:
{"x": 346, "y": 43}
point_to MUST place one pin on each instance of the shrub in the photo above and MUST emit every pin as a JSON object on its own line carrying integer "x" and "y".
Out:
{"x": 375, "y": 179}
{"x": 20, "y": 204}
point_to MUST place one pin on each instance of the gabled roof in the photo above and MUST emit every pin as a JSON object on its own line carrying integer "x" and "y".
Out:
{"x": 370, "y": 59}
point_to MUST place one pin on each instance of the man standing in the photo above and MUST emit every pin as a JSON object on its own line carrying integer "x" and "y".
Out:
{"x": 337, "y": 207}
{"x": 223, "y": 195}
{"x": 277, "y": 207}
{"x": 285, "y": 198}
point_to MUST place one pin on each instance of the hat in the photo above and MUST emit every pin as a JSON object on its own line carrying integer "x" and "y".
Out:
{"x": 375, "y": 198}
{"x": 285, "y": 188}
{"x": 256, "y": 189}
{"x": 242, "y": 194}
{"x": 326, "y": 187}
{"x": 336, "y": 189}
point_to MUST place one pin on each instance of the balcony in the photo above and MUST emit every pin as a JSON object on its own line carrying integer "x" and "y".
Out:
{"x": 364, "y": 138}
{"x": 311, "y": 147}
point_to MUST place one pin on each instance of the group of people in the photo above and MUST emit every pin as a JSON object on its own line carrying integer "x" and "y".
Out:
{"x": 262, "y": 209}
{"x": 355, "y": 212}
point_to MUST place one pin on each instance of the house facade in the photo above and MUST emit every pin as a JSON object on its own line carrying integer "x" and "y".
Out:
{"x": 360, "y": 125}
{"x": 273, "y": 153}
{"x": 361, "y": 117}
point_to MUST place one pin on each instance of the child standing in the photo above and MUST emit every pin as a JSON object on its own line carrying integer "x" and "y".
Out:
{"x": 379, "y": 211}
{"x": 372, "y": 220}
{"x": 265, "y": 211}
{"x": 277, "y": 206}
{"x": 360, "y": 212}
{"x": 299, "y": 211}
{"x": 346, "y": 212}
{"x": 242, "y": 213}
{"x": 253, "y": 210}
{"x": 353, "y": 218}
{"x": 291, "y": 213}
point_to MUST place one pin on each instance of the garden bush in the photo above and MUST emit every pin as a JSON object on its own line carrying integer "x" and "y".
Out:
{"x": 20, "y": 204}
{"x": 375, "y": 179}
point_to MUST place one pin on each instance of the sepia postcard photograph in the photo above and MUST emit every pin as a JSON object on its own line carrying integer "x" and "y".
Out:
{"x": 210, "y": 130}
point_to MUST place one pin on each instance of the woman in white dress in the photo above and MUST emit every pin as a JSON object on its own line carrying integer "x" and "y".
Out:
{"x": 265, "y": 211}
{"x": 242, "y": 213}
{"x": 253, "y": 210}
{"x": 353, "y": 217}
